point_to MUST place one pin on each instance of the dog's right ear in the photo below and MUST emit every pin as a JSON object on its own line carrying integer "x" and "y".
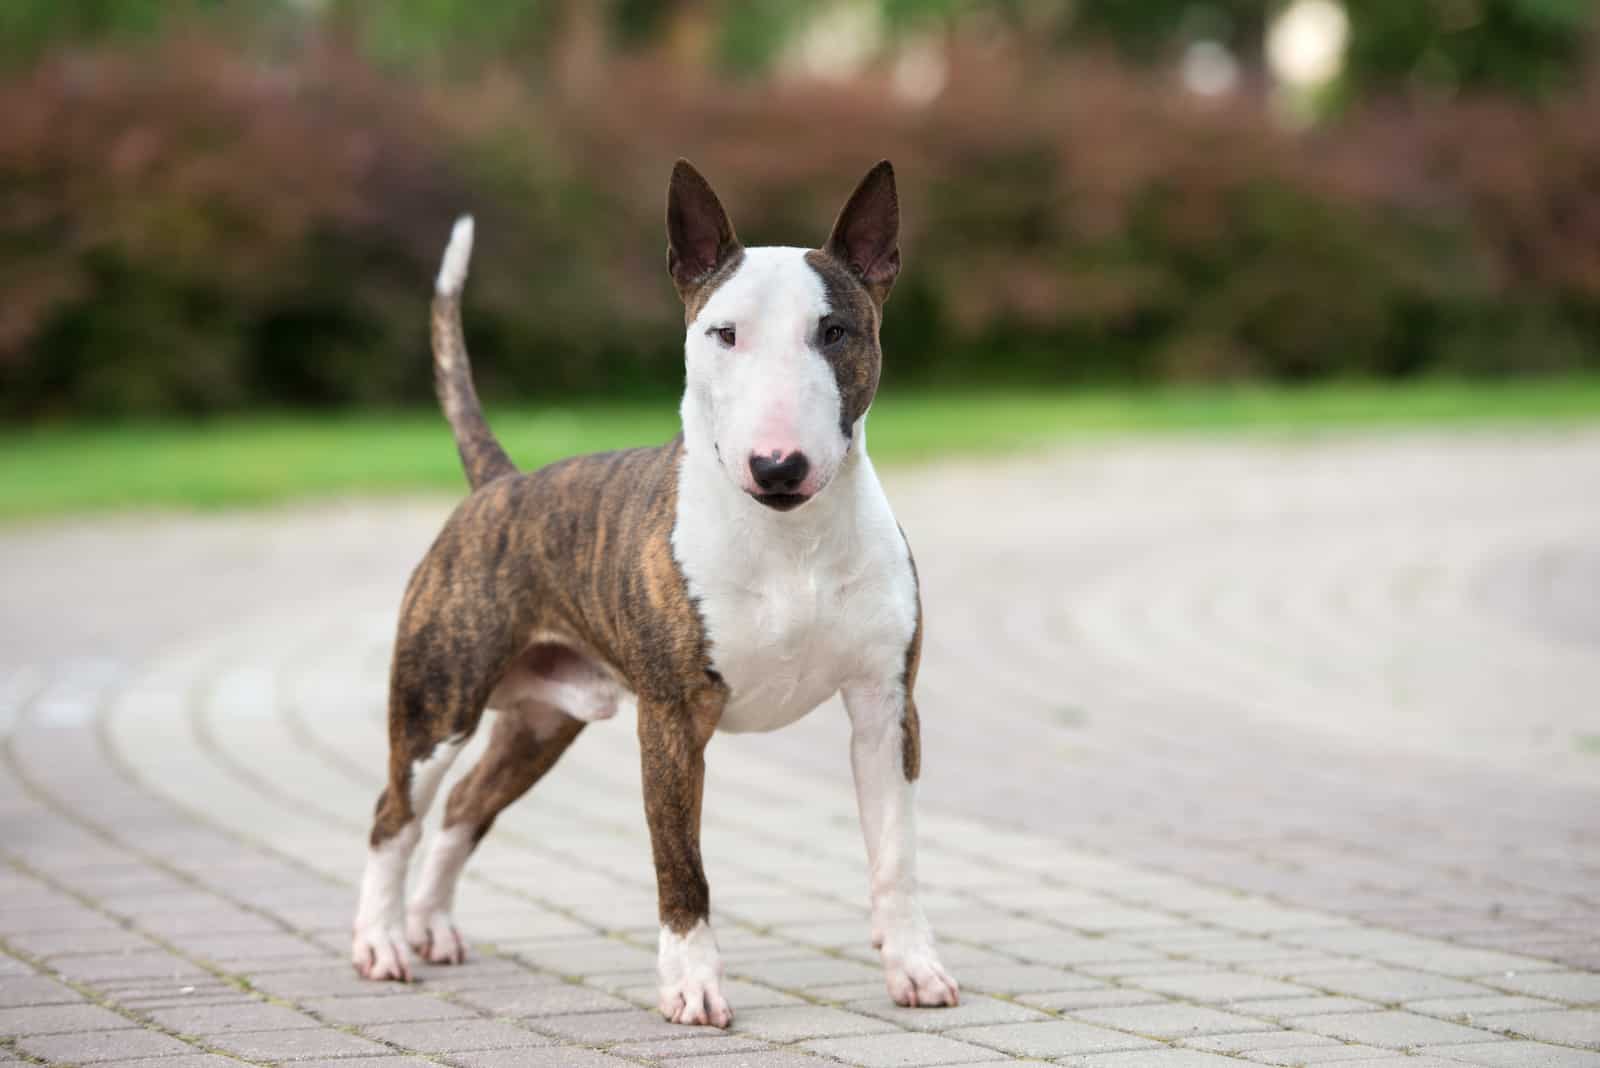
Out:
{"x": 700, "y": 238}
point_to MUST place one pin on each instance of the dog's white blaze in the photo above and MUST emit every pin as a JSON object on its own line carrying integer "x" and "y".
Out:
{"x": 796, "y": 604}
{"x": 772, "y": 391}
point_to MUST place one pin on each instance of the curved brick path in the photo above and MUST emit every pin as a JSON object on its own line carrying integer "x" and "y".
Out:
{"x": 1282, "y": 752}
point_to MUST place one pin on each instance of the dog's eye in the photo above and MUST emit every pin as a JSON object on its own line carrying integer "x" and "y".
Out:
{"x": 726, "y": 335}
{"x": 833, "y": 334}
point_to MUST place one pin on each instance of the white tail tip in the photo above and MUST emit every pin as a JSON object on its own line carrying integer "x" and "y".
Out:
{"x": 453, "y": 271}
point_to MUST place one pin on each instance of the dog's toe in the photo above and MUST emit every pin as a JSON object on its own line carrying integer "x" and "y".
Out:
{"x": 695, "y": 1004}
{"x": 920, "y": 981}
{"x": 435, "y": 938}
{"x": 381, "y": 954}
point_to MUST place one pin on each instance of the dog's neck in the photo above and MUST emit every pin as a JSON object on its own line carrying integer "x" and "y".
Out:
{"x": 708, "y": 497}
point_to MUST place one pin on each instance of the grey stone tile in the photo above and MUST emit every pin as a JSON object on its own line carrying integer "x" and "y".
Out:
{"x": 1466, "y": 1009}
{"x": 1053, "y": 1038}
{"x": 17, "y": 990}
{"x": 802, "y": 973}
{"x": 899, "y": 1050}
{"x": 697, "y": 1046}
{"x": 792, "y": 1023}
{"x": 1153, "y": 1058}
{"x": 1569, "y": 1027}
{"x": 191, "y": 1060}
{"x": 148, "y": 964}
{"x": 773, "y": 1058}
{"x": 1391, "y": 1030}
{"x": 1517, "y": 1054}
{"x": 1313, "y": 1006}
{"x": 298, "y": 1045}
{"x": 605, "y": 1027}
{"x": 1333, "y": 1053}
{"x": 540, "y": 1057}
{"x": 1393, "y": 985}
{"x": 355, "y": 1062}
{"x": 379, "y": 1009}
{"x": 974, "y": 1010}
{"x": 1021, "y": 979}
{"x": 453, "y": 1036}
{"x": 1106, "y": 997}
{"x": 59, "y": 1019}
{"x": 1216, "y": 988}
{"x": 1579, "y": 988}
{"x": 89, "y": 1047}
{"x": 215, "y": 1019}
{"x": 1254, "y": 1040}
{"x": 547, "y": 999}
{"x": 1168, "y": 1020}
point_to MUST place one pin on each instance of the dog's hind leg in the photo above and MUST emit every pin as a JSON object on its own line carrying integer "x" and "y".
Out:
{"x": 527, "y": 741}
{"x": 445, "y": 664}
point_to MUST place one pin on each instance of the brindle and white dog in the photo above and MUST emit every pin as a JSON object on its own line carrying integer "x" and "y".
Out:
{"x": 732, "y": 579}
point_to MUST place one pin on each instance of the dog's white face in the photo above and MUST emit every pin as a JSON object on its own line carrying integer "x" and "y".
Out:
{"x": 764, "y": 393}
{"x": 781, "y": 351}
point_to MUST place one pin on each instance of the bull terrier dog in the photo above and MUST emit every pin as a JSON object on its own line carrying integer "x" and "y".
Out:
{"x": 732, "y": 579}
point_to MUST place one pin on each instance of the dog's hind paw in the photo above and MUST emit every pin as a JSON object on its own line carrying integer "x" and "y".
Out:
{"x": 380, "y": 953}
{"x": 696, "y": 1003}
{"x": 435, "y": 938}
{"x": 918, "y": 980}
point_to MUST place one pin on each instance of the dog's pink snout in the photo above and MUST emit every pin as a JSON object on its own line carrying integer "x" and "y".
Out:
{"x": 777, "y": 472}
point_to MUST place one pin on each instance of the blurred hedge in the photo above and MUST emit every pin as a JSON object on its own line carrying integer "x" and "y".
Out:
{"x": 188, "y": 226}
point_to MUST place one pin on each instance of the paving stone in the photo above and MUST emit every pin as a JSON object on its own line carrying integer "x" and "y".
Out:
{"x": 1393, "y": 1030}
{"x": 1254, "y": 1040}
{"x": 295, "y": 1045}
{"x": 1394, "y": 985}
{"x": 1053, "y": 1038}
{"x": 1021, "y": 979}
{"x": 91, "y": 1046}
{"x": 1220, "y": 987}
{"x": 451, "y": 1036}
{"x": 1312, "y": 1006}
{"x": 541, "y": 1057}
{"x": 17, "y": 990}
{"x": 699, "y": 1046}
{"x": 152, "y": 964}
{"x": 1579, "y": 988}
{"x": 195, "y": 1060}
{"x": 792, "y": 1023}
{"x": 1468, "y": 1008}
{"x": 803, "y": 973}
{"x": 1105, "y": 997}
{"x": 355, "y": 1062}
{"x": 1154, "y": 1058}
{"x": 215, "y": 1019}
{"x": 1335, "y": 1053}
{"x": 1517, "y": 1054}
{"x": 899, "y": 1050}
{"x": 359, "y": 1012}
{"x": 778, "y": 1058}
{"x": 52, "y": 1019}
{"x": 605, "y": 1027}
{"x": 543, "y": 999}
{"x": 974, "y": 1010}
{"x": 1572, "y": 1027}
{"x": 1168, "y": 1020}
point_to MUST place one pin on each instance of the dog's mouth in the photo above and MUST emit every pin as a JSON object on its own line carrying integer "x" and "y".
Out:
{"x": 782, "y": 502}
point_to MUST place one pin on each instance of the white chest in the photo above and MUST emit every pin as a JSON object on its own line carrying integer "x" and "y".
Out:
{"x": 794, "y": 611}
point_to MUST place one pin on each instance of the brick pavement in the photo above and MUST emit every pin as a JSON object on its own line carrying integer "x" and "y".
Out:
{"x": 1235, "y": 753}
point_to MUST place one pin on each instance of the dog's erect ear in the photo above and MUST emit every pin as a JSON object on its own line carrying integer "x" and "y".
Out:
{"x": 866, "y": 237}
{"x": 699, "y": 236}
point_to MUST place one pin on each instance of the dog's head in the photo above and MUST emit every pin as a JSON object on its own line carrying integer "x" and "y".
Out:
{"x": 782, "y": 346}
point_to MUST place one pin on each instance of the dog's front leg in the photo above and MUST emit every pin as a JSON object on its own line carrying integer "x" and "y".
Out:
{"x": 672, "y": 741}
{"x": 885, "y": 756}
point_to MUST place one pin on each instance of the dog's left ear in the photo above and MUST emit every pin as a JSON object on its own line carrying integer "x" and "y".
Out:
{"x": 866, "y": 237}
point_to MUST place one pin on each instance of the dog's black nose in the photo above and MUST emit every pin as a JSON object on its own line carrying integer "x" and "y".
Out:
{"x": 775, "y": 475}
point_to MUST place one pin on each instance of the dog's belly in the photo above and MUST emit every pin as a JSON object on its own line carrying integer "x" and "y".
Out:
{"x": 767, "y": 704}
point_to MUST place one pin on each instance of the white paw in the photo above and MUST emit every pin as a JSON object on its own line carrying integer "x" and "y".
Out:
{"x": 915, "y": 977}
{"x": 380, "y": 952}
{"x": 434, "y": 936}
{"x": 690, "y": 969}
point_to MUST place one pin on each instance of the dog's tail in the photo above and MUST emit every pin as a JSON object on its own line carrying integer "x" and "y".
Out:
{"x": 481, "y": 453}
